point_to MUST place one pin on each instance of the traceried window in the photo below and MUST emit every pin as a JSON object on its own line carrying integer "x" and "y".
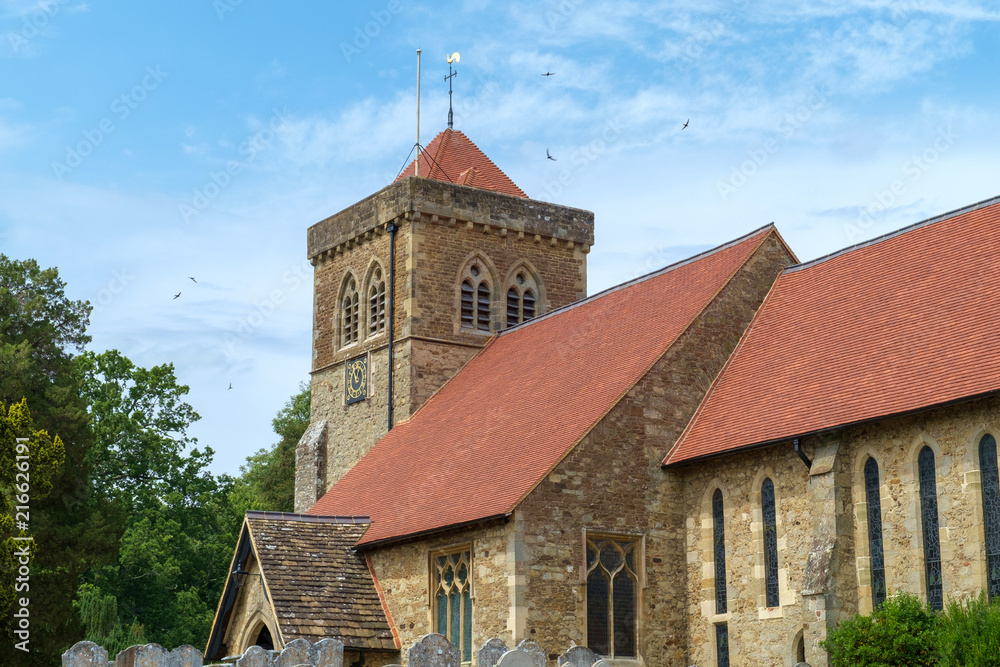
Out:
{"x": 452, "y": 584}
{"x": 991, "y": 512}
{"x": 349, "y": 314}
{"x": 770, "y": 543}
{"x": 876, "y": 557}
{"x": 376, "y": 302}
{"x": 522, "y": 299}
{"x": 476, "y": 297}
{"x": 612, "y": 595}
{"x": 929, "y": 519}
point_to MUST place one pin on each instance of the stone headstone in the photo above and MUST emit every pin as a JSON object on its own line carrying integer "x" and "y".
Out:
{"x": 186, "y": 656}
{"x": 327, "y": 653}
{"x": 578, "y": 656}
{"x": 146, "y": 655}
{"x": 255, "y": 656}
{"x": 531, "y": 647}
{"x": 85, "y": 654}
{"x": 516, "y": 658}
{"x": 296, "y": 652}
{"x": 489, "y": 654}
{"x": 433, "y": 650}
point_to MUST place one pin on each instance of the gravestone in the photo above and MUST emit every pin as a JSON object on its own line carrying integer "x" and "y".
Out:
{"x": 578, "y": 656}
{"x": 327, "y": 653}
{"x": 532, "y": 648}
{"x": 85, "y": 654}
{"x": 296, "y": 652}
{"x": 433, "y": 650}
{"x": 255, "y": 656}
{"x": 489, "y": 655}
{"x": 517, "y": 658}
{"x": 186, "y": 656}
{"x": 144, "y": 655}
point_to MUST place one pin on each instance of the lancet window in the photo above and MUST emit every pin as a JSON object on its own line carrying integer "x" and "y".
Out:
{"x": 376, "y": 302}
{"x": 875, "y": 553}
{"x": 770, "y": 543}
{"x": 612, "y": 595}
{"x": 929, "y": 519}
{"x": 476, "y": 297}
{"x": 349, "y": 313}
{"x": 991, "y": 512}
{"x": 452, "y": 585}
{"x": 522, "y": 298}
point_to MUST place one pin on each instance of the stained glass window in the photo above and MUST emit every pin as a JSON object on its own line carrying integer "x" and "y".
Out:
{"x": 770, "y": 543}
{"x": 722, "y": 644}
{"x": 612, "y": 596}
{"x": 453, "y": 599}
{"x": 719, "y": 541}
{"x": 876, "y": 557}
{"x": 929, "y": 519}
{"x": 991, "y": 512}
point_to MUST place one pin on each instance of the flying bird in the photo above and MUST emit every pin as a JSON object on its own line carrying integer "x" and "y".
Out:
{"x": 230, "y": 386}
{"x": 177, "y": 295}
{"x": 686, "y": 124}
{"x": 548, "y": 74}
{"x": 549, "y": 155}
{"x": 192, "y": 279}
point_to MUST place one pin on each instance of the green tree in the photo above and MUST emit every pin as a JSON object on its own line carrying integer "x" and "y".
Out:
{"x": 899, "y": 633}
{"x": 267, "y": 480}
{"x": 29, "y": 460}
{"x": 41, "y": 329}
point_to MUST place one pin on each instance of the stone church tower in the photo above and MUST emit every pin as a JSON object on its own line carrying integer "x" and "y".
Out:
{"x": 422, "y": 273}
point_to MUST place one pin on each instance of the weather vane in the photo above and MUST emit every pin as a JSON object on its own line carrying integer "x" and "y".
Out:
{"x": 452, "y": 58}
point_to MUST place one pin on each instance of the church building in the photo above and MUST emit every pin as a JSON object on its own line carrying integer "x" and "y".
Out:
{"x": 711, "y": 464}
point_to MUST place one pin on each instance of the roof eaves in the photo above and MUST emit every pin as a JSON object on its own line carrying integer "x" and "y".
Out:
{"x": 909, "y": 228}
{"x": 407, "y": 537}
{"x": 308, "y": 518}
{"x": 642, "y": 278}
{"x": 830, "y": 429}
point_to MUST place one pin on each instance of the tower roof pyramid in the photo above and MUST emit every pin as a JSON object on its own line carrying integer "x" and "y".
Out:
{"x": 453, "y": 158}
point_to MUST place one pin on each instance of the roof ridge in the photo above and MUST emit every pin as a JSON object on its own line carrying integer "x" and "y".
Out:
{"x": 902, "y": 230}
{"x": 639, "y": 279}
{"x": 307, "y": 518}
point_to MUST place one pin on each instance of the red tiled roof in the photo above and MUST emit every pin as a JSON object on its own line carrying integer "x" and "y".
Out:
{"x": 490, "y": 434}
{"x": 452, "y": 157}
{"x": 899, "y": 324}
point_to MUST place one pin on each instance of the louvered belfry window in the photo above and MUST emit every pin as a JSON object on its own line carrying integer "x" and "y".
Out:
{"x": 349, "y": 313}
{"x": 991, "y": 512}
{"x": 376, "y": 303}
{"x": 521, "y": 299}
{"x": 452, "y": 576}
{"x": 875, "y": 554}
{"x": 929, "y": 520}
{"x": 770, "y": 543}
{"x": 612, "y": 596}
{"x": 475, "y": 299}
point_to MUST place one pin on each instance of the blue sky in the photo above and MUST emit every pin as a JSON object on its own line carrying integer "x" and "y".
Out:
{"x": 838, "y": 120}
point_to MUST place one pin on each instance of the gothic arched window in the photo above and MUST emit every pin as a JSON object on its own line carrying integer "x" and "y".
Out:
{"x": 929, "y": 519}
{"x": 376, "y": 302}
{"x": 991, "y": 512}
{"x": 612, "y": 596}
{"x": 522, "y": 298}
{"x": 349, "y": 312}
{"x": 876, "y": 557}
{"x": 770, "y": 543}
{"x": 719, "y": 554}
{"x": 475, "y": 298}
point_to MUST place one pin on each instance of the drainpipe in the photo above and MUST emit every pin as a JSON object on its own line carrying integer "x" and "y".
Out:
{"x": 391, "y": 227}
{"x": 802, "y": 455}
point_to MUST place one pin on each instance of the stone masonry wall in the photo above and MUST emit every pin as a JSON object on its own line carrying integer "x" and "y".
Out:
{"x": 404, "y": 573}
{"x": 612, "y": 483}
{"x": 252, "y": 609}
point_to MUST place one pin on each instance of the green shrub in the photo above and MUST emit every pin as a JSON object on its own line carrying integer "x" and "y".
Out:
{"x": 900, "y": 633}
{"x": 969, "y": 636}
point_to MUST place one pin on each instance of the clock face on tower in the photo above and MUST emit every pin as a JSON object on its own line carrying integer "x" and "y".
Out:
{"x": 356, "y": 382}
